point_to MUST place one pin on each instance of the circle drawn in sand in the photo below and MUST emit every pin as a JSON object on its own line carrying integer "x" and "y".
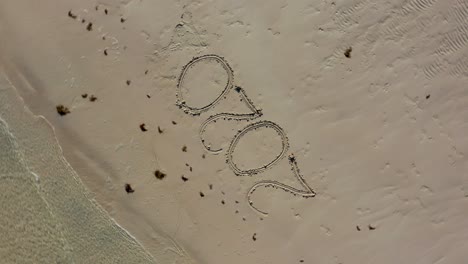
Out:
{"x": 250, "y": 128}
{"x": 201, "y": 69}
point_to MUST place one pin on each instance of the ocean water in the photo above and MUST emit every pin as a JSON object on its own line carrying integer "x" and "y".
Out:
{"x": 29, "y": 232}
{"x": 46, "y": 213}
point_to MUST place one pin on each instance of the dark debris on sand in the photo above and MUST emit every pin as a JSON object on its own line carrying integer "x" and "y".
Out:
{"x": 159, "y": 174}
{"x": 62, "y": 110}
{"x": 347, "y": 52}
{"x": 128, "y": 188}
{"x": 143, "y": 127}
{"x": 70, "y": 14}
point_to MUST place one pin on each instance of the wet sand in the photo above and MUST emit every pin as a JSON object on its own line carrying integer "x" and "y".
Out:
{"x": 313, "y": 131}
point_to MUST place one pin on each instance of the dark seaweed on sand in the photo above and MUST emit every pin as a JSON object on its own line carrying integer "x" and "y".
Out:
{"x": 62, "y": 110}
{"x": 128, "y": 188}
{"x": 159, "y": 174}
{"x": 347, "y": 52}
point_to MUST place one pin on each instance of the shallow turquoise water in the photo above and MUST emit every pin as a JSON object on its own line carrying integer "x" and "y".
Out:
{"x": 46, "y": 213}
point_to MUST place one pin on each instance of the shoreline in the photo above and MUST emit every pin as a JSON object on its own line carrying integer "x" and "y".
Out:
{"x": 336, "y": 101}
{"x": 28, "y": 115}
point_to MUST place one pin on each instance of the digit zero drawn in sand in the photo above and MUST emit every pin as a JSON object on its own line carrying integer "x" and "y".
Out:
{"x": 247, "y": 129}
{"x": 198, "y": 110}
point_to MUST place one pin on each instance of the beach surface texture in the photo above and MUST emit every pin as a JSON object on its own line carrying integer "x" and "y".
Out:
{"x": 210, "y": 131}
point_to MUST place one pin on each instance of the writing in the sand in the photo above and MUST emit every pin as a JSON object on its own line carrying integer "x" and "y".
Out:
{"x": 254, "y": 114}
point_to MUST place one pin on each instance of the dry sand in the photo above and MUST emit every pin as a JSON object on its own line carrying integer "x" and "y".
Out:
{"x": 357, "y": 148}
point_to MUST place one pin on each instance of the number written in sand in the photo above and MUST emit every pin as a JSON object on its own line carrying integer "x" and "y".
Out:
{"x": 255, "y": 113}
{"x": 192, "y": 110}
{"x": 243, "y": 132}
{"x": 229, "y": 116}
{"x": 306, "y": 193}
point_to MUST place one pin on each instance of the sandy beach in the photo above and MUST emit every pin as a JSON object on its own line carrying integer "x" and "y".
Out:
{"x": 234, "y": 131}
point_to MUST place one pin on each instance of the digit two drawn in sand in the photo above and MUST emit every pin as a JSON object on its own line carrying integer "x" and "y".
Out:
{"x": 230, "y": 116}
